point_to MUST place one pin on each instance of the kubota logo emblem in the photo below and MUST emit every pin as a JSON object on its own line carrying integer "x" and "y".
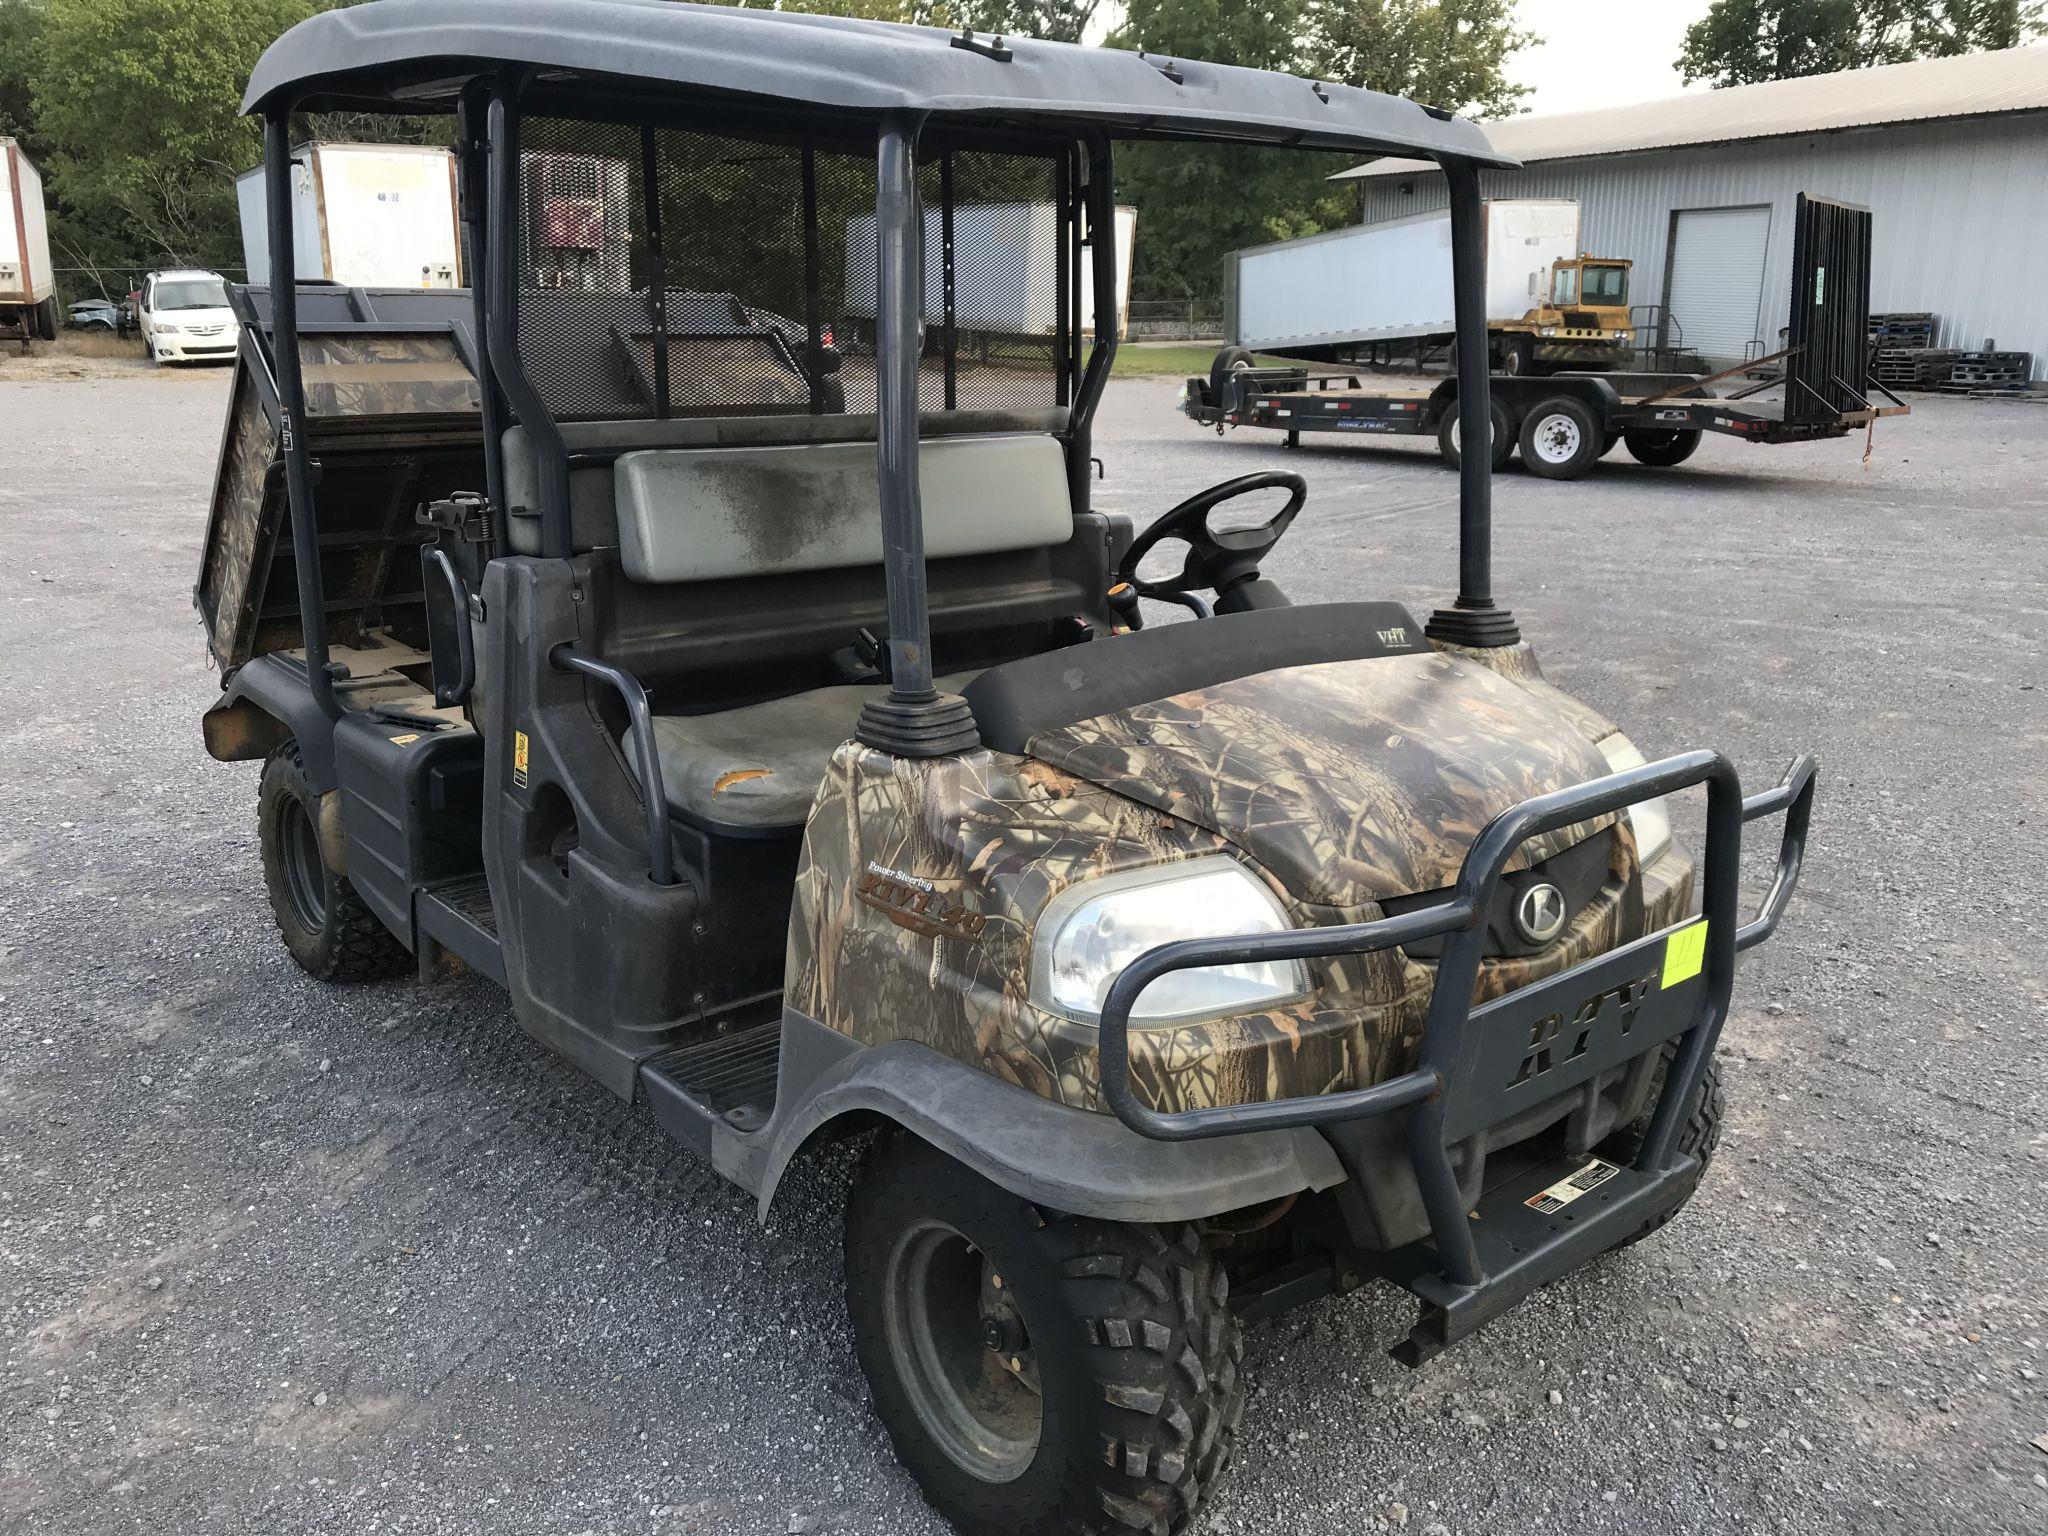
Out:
{"x": 1540, "y": 914}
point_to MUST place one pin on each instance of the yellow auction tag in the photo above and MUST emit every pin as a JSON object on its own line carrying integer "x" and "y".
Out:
{"x": 1684, "y": 953}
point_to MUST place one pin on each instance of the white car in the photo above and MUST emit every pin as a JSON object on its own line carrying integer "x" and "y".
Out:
{"x": 185, "y": 318}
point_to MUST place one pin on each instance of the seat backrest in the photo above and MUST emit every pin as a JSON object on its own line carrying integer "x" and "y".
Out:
{"x": 594, "y": 446}
{"x": 713, "y": 514}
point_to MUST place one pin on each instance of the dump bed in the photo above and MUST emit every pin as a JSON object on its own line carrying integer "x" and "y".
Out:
{"x": 392, "y": 421}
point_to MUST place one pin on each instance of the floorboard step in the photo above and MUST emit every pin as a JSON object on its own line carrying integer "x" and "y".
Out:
{"x": 729, "y": 1077}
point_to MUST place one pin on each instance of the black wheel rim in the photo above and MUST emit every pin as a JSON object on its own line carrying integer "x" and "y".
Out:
{"x": 962, "y": 1353}
{"x": 305, "y": 875}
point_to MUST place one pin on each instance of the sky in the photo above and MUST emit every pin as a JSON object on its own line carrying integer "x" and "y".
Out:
{"x": 1601, "y": 53}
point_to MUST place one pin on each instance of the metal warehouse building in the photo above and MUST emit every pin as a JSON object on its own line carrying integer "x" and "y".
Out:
{"x": 1950, "y": 155}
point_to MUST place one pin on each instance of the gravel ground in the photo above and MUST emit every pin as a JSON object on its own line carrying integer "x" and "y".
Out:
{"x": 276, "y": 1256}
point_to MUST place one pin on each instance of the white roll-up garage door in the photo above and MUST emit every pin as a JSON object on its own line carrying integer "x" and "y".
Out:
{"x": 1717, "y": 281}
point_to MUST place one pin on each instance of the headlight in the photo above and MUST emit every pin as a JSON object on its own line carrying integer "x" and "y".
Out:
{"x": 1091, "y": 931}
{"x": 1548, "y": 330}
{"x": 1623, "y": 336}
{"x": 163, "y": 328}
{"x": 1651, "y": 819}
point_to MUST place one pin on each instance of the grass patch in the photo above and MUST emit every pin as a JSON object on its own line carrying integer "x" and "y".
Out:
{"x": 94, "y": 343}
{"x": 1177, "y": 361}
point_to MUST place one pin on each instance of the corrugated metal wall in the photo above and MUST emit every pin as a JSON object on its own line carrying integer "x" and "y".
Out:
{"x": 1960, "y": 214}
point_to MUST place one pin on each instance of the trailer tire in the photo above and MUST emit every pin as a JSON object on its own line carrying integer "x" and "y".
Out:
{"x": 46, "y": 319}
{"x": 1447, "y": 435}
{"x": 324, "y": 923}
{"x": 1560, "y": 439}
{"x": 1124, "y": 1408}
{"x": 1230, "y": 361}
{"x": 1663, "y": 449}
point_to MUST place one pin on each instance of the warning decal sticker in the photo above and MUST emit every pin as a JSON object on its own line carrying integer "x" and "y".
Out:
{"x": 1684, "y": 953}
{"x": 1565, "y": 1191}
{"x": 519, "y": 763}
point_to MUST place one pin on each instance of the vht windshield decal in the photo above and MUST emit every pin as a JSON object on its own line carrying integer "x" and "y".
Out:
{"x": 912, "y": 903}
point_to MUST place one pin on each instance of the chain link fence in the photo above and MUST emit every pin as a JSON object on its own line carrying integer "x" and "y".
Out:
{"x": 1183, "y": 319}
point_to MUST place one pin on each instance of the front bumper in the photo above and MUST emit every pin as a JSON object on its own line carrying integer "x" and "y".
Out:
{"x": 1482, "y": 1066}
{"x": 197, "y": 349}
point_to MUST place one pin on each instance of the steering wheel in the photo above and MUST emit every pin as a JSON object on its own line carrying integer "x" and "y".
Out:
{"x": 1217, "y": 561}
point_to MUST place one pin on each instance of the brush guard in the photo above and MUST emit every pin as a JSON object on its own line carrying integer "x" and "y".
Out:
{"x": 1479, "y": 1066}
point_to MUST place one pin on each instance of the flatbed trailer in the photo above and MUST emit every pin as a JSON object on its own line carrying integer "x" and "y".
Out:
{"x": 1565, "y": 423}
{"x": 1562, "y": 424}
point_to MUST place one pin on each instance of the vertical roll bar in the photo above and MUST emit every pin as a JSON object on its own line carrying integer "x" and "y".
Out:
{"x": 1472, "y": 619}
{"x": 472, "y": 182}
{"x": 1100, "y": 192}
{"x": 914, "y": 720}
{"x": 501, "y": 308}
{"x": 291, "y": 398}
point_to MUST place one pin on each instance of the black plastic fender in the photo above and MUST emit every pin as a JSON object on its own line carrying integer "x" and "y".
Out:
{"x": 267, "y": 702}
{"x": 1071, "y": 1160}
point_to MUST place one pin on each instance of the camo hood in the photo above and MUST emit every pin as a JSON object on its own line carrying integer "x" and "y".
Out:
{"x": 1348, "y": 781}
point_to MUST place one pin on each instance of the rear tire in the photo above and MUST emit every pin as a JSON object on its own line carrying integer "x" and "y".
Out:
{"x": 1698, "y": 1137}
{"x": 1038, "y": 1374}
{"x": 1518, "y": 357}
{"x": 1447, "y": 435}
{"x": 1560, "y": 439}
{"x": 1663, "y": 450}
{"x": 324, "y": 923}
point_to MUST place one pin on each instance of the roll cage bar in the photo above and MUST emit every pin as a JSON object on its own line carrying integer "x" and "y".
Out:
{"x": 913, "y": 719}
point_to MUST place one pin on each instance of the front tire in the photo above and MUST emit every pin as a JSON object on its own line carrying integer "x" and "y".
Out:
{"x": 1560, "y": 439}
{"x": 1663, "y": 449}
{"x": 1698, "y": 1137}
{"x": 1038, "y": 1374}
{"x": 324, "y": 923}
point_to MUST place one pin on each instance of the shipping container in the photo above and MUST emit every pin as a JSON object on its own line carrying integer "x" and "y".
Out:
{"x": 28, "y": 284}
{"x": 363, "y": 215}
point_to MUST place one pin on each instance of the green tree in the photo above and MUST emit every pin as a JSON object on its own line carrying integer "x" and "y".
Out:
{"x": 138, "y": 103}
{"x": 1446, "y": 53}
{"x": 21, "y": 31}
{"x": 1195, "y": 204}
{"x": 1741, "y": 42}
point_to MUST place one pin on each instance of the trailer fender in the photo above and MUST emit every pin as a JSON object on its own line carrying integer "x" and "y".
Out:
{"x": 265, "y": 704}
{"x": 1071, "y": 1160}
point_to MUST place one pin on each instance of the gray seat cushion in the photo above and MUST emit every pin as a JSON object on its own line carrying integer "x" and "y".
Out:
{"x": 757, "y": 768}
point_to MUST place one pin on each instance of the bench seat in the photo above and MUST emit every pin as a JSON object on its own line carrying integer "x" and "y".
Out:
{"x": 756, "y": 769}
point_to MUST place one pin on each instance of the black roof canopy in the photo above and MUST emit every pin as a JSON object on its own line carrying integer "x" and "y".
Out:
{"x": 415, "y": 55}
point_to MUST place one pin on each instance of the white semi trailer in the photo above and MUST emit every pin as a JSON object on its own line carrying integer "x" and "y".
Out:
{"x": 28, "y": 285}
{"x": 1355, "y": 289}
{"x": 1005, "y": 269}
{"x": 363, "y": 215}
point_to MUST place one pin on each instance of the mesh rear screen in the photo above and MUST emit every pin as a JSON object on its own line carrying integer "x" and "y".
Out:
{"x": 763, "y": 310}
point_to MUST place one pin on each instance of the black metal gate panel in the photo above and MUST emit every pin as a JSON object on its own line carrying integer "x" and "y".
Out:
{"x": 1828, "y": 372}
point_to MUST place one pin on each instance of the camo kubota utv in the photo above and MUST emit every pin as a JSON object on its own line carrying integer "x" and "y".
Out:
{"x": 774, "y": 722}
